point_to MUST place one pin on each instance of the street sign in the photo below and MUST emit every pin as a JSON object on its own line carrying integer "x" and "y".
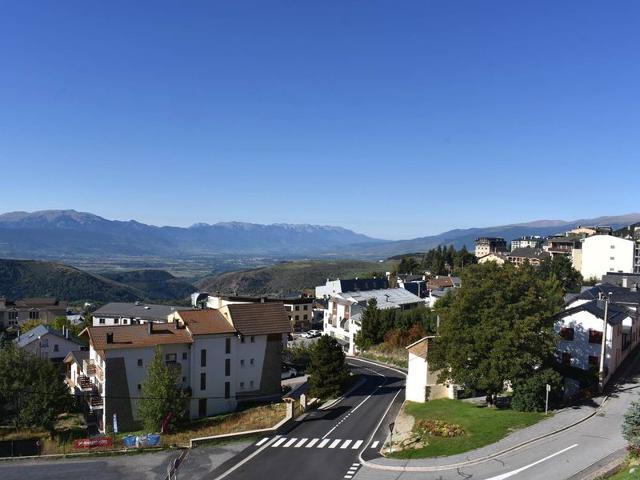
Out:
{"x": 548, "y": 387}
{"x": 391, "y": 425}
{"x": 115, "y": 423}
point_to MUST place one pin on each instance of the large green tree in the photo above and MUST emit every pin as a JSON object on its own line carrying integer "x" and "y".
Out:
{"x": 161, "y": 396}
{"x": 497, "y": 327}
{"x": 32, "y": 390}
{"x": 328, "y": 372}
{"x": 560, "y": 267}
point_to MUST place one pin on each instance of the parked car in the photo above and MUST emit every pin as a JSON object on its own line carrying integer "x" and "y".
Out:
{"x": 288, "y": 372}
{"x": 314, "y": 333}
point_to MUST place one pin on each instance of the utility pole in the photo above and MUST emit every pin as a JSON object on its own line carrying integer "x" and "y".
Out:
{"x": 603, "y": 347}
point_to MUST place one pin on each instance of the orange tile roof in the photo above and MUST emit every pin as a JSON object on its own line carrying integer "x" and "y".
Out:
{"x": 206, "y": 322}
{"x": 259, "y": 318}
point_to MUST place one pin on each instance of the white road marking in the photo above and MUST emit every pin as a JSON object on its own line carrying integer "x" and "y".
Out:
{"x": 345, "y": 444}
{"x": 521, "y": 469}
{"x": 290, "y": 442}
{"x": 348, "y": 476}
{"x": 247, "y": 459}
{"x": 335, "y": 443}
{"x": 266, "y": 439}
{"x": 312, "y": 443}
{"x": 324, "y": 442}
{"x": 355, "y": 465}
{"x": 279, "y": 442}
{"x": 375, "y": 444}
{"x": 357, "y": 445}
{"x": 300, "y": 443}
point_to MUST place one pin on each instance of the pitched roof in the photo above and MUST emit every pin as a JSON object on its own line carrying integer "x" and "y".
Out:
{"x": 137, "y": 336}
{"x": 618, "y": 294}
{"x": 421, "y": 347}
{"x": 259, "y": 318}
{"x": 77, "y": 356}
{"x": 615, "y": 315}
{"x": 443, "y": 282}
{"x": 41, "y": 330}
{"x": 386, "y": 298}
{"x": 206, "y": 322}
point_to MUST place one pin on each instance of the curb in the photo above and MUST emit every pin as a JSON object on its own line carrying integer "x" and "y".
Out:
{"x": 603, "y": 468}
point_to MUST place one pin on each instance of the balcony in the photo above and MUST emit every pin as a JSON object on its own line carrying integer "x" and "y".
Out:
{"x": 93, "y": 370}
{"x": 96, "y": 402}
{"x": 85, "y": 383}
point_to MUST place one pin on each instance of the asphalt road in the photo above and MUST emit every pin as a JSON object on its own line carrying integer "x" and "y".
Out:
{"x": 325, "y": 443}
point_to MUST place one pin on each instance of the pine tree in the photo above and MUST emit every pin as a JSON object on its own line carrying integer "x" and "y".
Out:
{"x": 328, "y": 372}
{"x": 161, "y": 396}
{"x": 631, "y": 425}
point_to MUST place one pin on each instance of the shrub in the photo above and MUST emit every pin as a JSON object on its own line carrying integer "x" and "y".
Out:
{"x": 438, "y": 428}
{"x": 529, "y": 394}
{"x": 631, "y": 426}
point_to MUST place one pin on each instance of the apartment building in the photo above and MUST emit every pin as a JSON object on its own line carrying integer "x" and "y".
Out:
{"x": 45, "y": 342}
{"x": 343, "y": 319}
{"x": 487, "y": 245}
{"x": 299, "y": 308}
{"x": 528, "y": 241}
{"x": 222, "y": 356}
{"x": 333, "y": 287}
{"x": 602, "y": 254}
{"x": 13, "y": 313}
{"x": 533, "y": 256}
{"x": 132, "y": 313}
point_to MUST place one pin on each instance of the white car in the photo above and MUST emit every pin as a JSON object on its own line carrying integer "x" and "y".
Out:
{"x": 314, "y": 333}
{"x": 288, "y": 372}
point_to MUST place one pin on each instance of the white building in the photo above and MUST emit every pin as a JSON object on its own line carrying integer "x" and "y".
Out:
{"x": 119, "y": 313}
{"x": 581, "y": 328}
{"x": 422, "y": 383}
{"x": 334, "y": 287}
{"x": 45, "y": 342}
{"x": 529, "y": 241}
{"x": 222, "y": 357}
{"x": 344, "y": 318}
{"x": 602, "y": 254}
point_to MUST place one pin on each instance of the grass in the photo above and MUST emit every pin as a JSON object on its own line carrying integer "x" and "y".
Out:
{"x": 252, "y": 418}
{"x": 396, "y": 358}
{"x": 482, "y": 426}
{"x": 625, "y": 474}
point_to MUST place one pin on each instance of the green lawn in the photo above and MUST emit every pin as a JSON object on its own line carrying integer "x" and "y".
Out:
{"x": 482, "y": 426}
{"x": 624, "y": 474}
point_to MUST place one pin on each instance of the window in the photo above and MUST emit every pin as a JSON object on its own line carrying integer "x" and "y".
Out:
{"x": 567, "y": 333}
{"x": 171, "y": 357}
{"x": 241, "y": 339}
{"x": 253, "y": 339}
{"x": 227, "y": 345}
{"x": 34, "y": 315}
{"x": 227, "y": 389}
{"x": 251, "y": 361}
{"x": 305, "y": 317}
{"x": 612, "y": 258}
{"x": 297, "y": 318}
{"x": 55, "y": 348}
{"x": 595, "y": 336}
{"x": 241, "y": 385}
{"x": 139, "y": 362}
{"x": 202, "y": 407}
{"x": 203, "y": 381}
{"x": 203, "y": 358}
{"x": 227, "y": 367}
{"x": 116, "y": 320}
{"x": 125, "y": 321}
{"x": 613, "y": 246}
{"x": 304, "y": 307}
{"x": 566, "y": 358}
{"x": 13, "y": 315}
{"x": 184, "y": 379}
{"x": 101, "y": 321}
{"x": 139, "y": 387}
{"x": 242, "y": 363}
{"x": 297, "y": 307}
{"x": 594, "y": 361}
{"x": 184, "y": 355}
{"x": 251, "y": 383}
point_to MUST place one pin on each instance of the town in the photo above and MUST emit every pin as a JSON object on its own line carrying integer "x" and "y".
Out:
{"x": 524, "y": 327}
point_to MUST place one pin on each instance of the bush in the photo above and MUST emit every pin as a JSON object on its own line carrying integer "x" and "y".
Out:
{"x": 631, "y": 426}
{"x": 439, "y": 428}
{"x": 529, "y": 394}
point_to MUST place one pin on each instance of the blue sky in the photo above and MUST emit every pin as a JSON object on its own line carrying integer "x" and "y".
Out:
{"x": 396, "y": 119}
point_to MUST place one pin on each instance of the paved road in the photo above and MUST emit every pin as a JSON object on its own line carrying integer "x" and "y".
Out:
{"x": 325, "y": 443}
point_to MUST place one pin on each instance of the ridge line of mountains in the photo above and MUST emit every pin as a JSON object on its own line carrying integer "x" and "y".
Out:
{"x": 68, "y": 233}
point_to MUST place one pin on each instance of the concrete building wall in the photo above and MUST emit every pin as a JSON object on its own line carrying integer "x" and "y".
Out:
{"x": 52, "y": 347}
{"x": 416, "y": 387}
{"x": 602, "y": 254}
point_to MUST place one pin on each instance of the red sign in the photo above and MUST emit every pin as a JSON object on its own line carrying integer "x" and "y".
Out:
{"x": 93, "y": 442}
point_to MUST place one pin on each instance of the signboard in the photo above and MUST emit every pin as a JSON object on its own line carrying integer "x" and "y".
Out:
{"x": 115, "y": 423}
{"x": 93, "y": 442}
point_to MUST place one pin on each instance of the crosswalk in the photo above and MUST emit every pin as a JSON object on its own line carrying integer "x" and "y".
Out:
{"x": 331, "y": 443}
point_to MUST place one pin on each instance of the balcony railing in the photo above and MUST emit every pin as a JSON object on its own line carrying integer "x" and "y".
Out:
{"x": 96, "y": 402}
{"x": 91, "y": 369}
{"x": 85, "y": 383}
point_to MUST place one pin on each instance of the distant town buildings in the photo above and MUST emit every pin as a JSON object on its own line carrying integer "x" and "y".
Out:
{"x": 602, "y": 254}
{"x": 14, "y": 313}
{"x": 487, "y": 245}
{"x": 530, "y": 241}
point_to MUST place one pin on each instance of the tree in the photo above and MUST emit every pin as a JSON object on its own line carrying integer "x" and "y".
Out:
{"x": 161, "y": 396}
{"x": 32, "y": 390}
{"x": 369, "y": 333}
{"x": 498, "y": 327}
{"x": 561, "y": 268}
{"x": 529, "y": 394}
{"x": 408, "y": 265}
{"x": 328, "y": 372}
{"x": 631, "y": 425}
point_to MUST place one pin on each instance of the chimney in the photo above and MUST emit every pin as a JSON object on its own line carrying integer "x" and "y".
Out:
{"x": 109, "y": 337}
{"x": 149, "y": 327}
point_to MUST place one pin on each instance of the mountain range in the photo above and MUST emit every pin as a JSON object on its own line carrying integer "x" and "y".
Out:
{"x": 67, "y": 233}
